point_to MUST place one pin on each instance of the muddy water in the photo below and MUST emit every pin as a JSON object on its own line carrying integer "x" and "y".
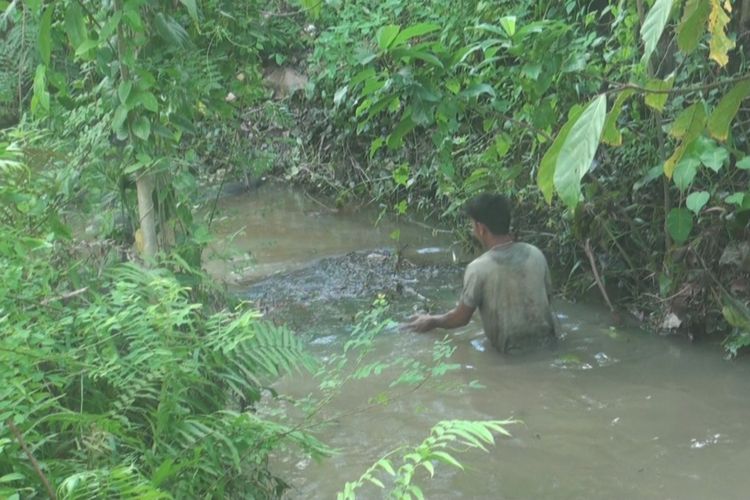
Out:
{"x": 610, "y": 413}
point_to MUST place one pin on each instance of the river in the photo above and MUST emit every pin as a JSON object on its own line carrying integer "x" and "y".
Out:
{"x": 612, "y": 412}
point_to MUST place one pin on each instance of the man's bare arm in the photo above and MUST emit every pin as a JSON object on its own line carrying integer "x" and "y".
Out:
{"x": 455, "y": 318}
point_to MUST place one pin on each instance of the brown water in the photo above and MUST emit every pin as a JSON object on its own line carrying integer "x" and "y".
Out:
{"x": 611, "y": 413}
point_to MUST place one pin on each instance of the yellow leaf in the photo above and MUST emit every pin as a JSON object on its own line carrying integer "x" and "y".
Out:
{"x": 720, "y": 44}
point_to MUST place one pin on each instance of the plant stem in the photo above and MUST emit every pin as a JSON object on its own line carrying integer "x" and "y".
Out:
{"x": 19, "y": 437}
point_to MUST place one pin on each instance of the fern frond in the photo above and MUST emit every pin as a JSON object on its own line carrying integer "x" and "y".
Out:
{"x": 118, "y": 482}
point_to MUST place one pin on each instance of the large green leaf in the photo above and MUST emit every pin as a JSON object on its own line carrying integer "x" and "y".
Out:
{"x": 578, "y": 151}
{"x": 679, "y": 224}
{"x": 653, "y": 26}
{"x": 45, "y": 34}
{"x": 414, "y": 31}
{"x": 75, "y": 26}
{"x": 142, "y": 128}
{"x": 123, "y": 91}
{"x": 387, "y": 35}
{"x": 711, "y": 154}
{"x": 721, "y": 118}
{"x": 545, "y": 175}
{"x": 685, "y": 172}
{"x": 696, "y": 201}
{"x": 692, "y": 25}
{"x": 611, "y": 134}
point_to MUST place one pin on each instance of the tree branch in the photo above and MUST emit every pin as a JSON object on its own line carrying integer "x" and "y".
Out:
{"x": 680, "y": 90}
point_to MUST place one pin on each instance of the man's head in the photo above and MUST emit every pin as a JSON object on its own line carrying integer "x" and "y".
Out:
{"x": 490, "y": 213}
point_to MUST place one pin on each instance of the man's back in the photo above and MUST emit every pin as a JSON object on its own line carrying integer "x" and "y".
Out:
{"x": 510, "y": 284}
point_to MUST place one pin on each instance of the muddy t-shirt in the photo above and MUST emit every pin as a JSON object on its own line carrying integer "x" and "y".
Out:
{"x": 510, "y": 284}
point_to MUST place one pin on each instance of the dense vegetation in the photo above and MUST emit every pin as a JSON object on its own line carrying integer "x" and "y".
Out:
{"x": 618, "y": 127}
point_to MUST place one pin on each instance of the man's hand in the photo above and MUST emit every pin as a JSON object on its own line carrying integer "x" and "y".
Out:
{"x": 419, "y": 323}
{"x": 455, "y": 318}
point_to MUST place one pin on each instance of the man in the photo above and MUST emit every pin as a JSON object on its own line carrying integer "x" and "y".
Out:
{"x": 509, "y": 283}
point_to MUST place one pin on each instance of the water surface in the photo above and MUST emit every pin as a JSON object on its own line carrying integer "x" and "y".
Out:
{"x": 612, "y": 413}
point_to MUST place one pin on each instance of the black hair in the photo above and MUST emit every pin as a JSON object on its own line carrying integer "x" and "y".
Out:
{"x": 491, "y": 209}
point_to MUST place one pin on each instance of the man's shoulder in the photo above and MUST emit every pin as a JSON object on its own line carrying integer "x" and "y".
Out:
{"x": 530, "y": 249}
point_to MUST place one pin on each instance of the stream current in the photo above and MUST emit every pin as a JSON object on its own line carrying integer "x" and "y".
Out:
{"x": 612, "y": 412}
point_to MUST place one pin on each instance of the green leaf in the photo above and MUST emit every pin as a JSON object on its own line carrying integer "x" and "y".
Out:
{"x": 611, "y": 134}
{"x": 578, "y": 151}
{"x": 396, "y": 138}
{"x": 684, "y": 120}
{"x": 377, "y": 143}
{"x": 401, "y": 175}
{"x": 679, "y": 224}
{"x": 75, "y": 26}
{"x": 386, "y": 35}
{"x": 86, "y": 46}
{"x": 478, "y": 89}
{"x": 696, "y": 201}
{"x": 545, "y": 175}
{"x": 13, "y": 476}
{"x": 653, "y": 26}
{"x": 692, "y": 26}
{"x": 148, "y": 100}
{"x": 365, "y": 74}
{"x": 121, "y": 114}
{"x": 712, "y": 155}
{"x": 171, "y": 31}
{"x": 697, "y": 121}
{"x": 721, "y": 118}
{"x": 123, "y": 91}
{"x": 414, "y": 31}
{"x": 685, "y": 173}
{"x": 444, "y": 457}
{"x": 34, "y": 5}
{"x": 45, "y": 34}
{"x": 735, "y": 199}
{"x": 744, "y": 164}
{"x": 192, "y": 8}
{"x": 40, "y": 100}
{"x": 658, "y": 99}
{"x": 509, "y": 24}
{"x": 408, "y": 53}
{"x": 142, "y": 128}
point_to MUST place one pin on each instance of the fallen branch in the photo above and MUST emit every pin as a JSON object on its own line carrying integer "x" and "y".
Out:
{"x": 65, "y": 296}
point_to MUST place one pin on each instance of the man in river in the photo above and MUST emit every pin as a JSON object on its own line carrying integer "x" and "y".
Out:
{"x": 509, "y": 283}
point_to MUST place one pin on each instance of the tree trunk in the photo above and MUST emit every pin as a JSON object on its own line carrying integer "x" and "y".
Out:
{"x": 147, "y": 215}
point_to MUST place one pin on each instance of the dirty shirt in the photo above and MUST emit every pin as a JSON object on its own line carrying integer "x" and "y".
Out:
{"x": 510, "y": 284}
